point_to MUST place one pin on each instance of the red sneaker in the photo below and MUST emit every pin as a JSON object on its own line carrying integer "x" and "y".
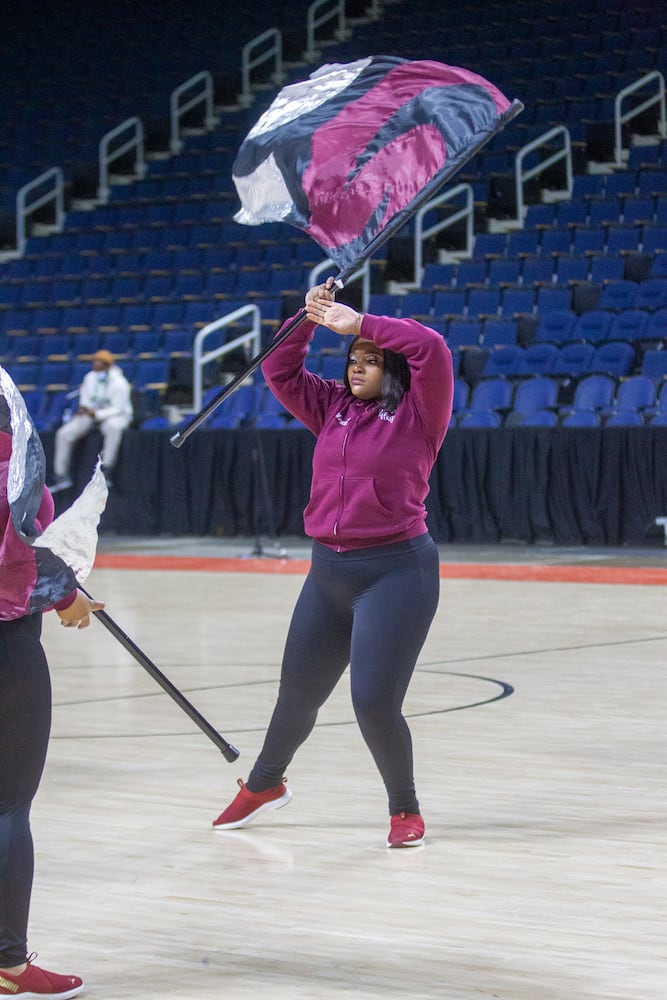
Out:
{"x": 407, "y": 830}
{"x": 35, "y": 983}
{"x": 248, "y": 805}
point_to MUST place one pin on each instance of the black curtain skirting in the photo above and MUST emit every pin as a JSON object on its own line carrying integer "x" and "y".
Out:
{"x": 560, "y": 486}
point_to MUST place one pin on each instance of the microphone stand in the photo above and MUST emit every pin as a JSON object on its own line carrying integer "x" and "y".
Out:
{"x": 261, "y": 483}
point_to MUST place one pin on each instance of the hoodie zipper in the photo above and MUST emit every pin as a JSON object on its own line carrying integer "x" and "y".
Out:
{"x": 341, "y": 480}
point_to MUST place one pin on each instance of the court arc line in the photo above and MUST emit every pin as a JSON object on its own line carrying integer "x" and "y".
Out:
{"x": 505, "y": 691}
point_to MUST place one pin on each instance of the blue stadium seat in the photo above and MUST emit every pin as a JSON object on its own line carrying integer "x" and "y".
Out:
{"x": 618, "y": 295}
{"x": 654, "y": 364}
{"x": 534, "y": 418}
{"x": 517, "y": 302}
{"x": 654, "y": 238}
{"x": 177, "y": 342}
{"x": 535, "y": 394}
{"x": 637, "y": 209}
{"x": 638, "y": 392}
{"x": 449, "y": 302}
{"x": 383, "y": 304}
{"x": 151, "y": 374}
{"x": 491, "y": 394}
{"x": 55, "y": 375}
{"x": 84, "y": 344}
{"x": 54, "y": 405}
{"x": 623, "y": 239}
{"x": 556, "y": 327}
{"x": 571, "y": 213}
{"x": 460, "y": 396}
{"x": 659, "y": 265}
{"x": 652, "y": 294}
{"x": 656, "y": 327}
{"x": 483, "y": 302}
{"x": 438, "y": 275}
{"x": 555, "y": 241}
{"x": 536, "y": 270}
{"x": 606, "y": 267}
{"x": 54, "y": 345}
{"x": 499, "y": 332}
{"x": 581, "y": 418}
{"x": 541, "y": 359}
{"x": 587, "y": 239}
{"x": 145, "y": 342}
{"x": 415, "y": 304}
{"x": 479, "y": 418}
{"x": 624, "y": 418}
{"x": 592, "y": 326}
{"x": 629, "y": 325}
{"x": 593, "y": 392}
{"x": 552, "y": 298}
{"x": 504, "y": 271}
{"x": 489, "y": 243}
{"x": 471, "y": 272}
{"x": 464, "y": 333}
{"x": 615, "y": 358}
{"x": 571, "y": 269}
{"x": 505, "y": 360}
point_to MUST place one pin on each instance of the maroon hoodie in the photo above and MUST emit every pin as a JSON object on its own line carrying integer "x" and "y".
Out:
{"x": 370, "y": 467}
{"x": 18, "y": 567}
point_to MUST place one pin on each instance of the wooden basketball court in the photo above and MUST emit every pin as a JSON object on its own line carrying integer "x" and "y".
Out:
{"x": 538, "y": 718}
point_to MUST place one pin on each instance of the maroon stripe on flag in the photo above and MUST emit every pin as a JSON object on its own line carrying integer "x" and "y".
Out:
{"x": 394, "y": 175}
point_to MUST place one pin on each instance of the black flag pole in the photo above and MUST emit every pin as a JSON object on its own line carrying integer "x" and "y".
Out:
{"x": 229, "y": 752}
{"x": 180, "y": 437}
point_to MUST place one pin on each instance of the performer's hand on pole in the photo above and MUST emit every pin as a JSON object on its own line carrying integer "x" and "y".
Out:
{"x": 322, "y": 309}
{"x": 77, "y": 615}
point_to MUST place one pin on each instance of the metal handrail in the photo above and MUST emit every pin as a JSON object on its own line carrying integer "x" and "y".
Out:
{"x": 363, "y": 273}
{"x": 136, "y": 141}
{"x": 620, "y": 119}
{"x": 200, "y": 359}
{"x": 522, "y": 176}
{"x": 250, "y": 62}
{"x": 315, "y": 20}
{"x": 56, "y": 194}
{"x": 180, "y": 107}
{"x": 422, "y": 234}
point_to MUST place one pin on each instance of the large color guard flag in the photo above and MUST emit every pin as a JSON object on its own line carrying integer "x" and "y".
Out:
{"x": 351, "y": 153}
{"x": 38, "y": 567}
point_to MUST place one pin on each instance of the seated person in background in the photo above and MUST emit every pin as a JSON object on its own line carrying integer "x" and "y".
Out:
{"x": 105, "y": 402}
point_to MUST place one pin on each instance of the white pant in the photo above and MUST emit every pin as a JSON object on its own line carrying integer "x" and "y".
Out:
{"x": 112, "y": 431}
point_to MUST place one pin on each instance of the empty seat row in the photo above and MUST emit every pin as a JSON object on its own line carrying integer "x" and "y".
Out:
{"x": 527, "y": 269}
{"x": 511, "y": 300}
{"x": 597, "y": 399}
{"x": 564, "y": 326}
{"x": 615, "y": 358}
{"x": 67, "y": 375}
{"x": 575, "y": 239}
{"x": 147, "y": 263}
{"x": 190, "y": 315}
{"x": 259, "y": 281}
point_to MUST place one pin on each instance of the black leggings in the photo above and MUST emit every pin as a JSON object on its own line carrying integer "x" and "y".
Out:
{"x": 25, "y": 722}
{"x": 371, "y": 608}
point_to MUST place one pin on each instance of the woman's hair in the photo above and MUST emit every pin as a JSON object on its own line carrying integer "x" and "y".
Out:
{"x": 395, "y": 376}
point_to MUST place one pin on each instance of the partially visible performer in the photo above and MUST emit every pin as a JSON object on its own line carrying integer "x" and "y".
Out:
{"x": 25, "y": 719}
{"x": 373, "y": 587}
